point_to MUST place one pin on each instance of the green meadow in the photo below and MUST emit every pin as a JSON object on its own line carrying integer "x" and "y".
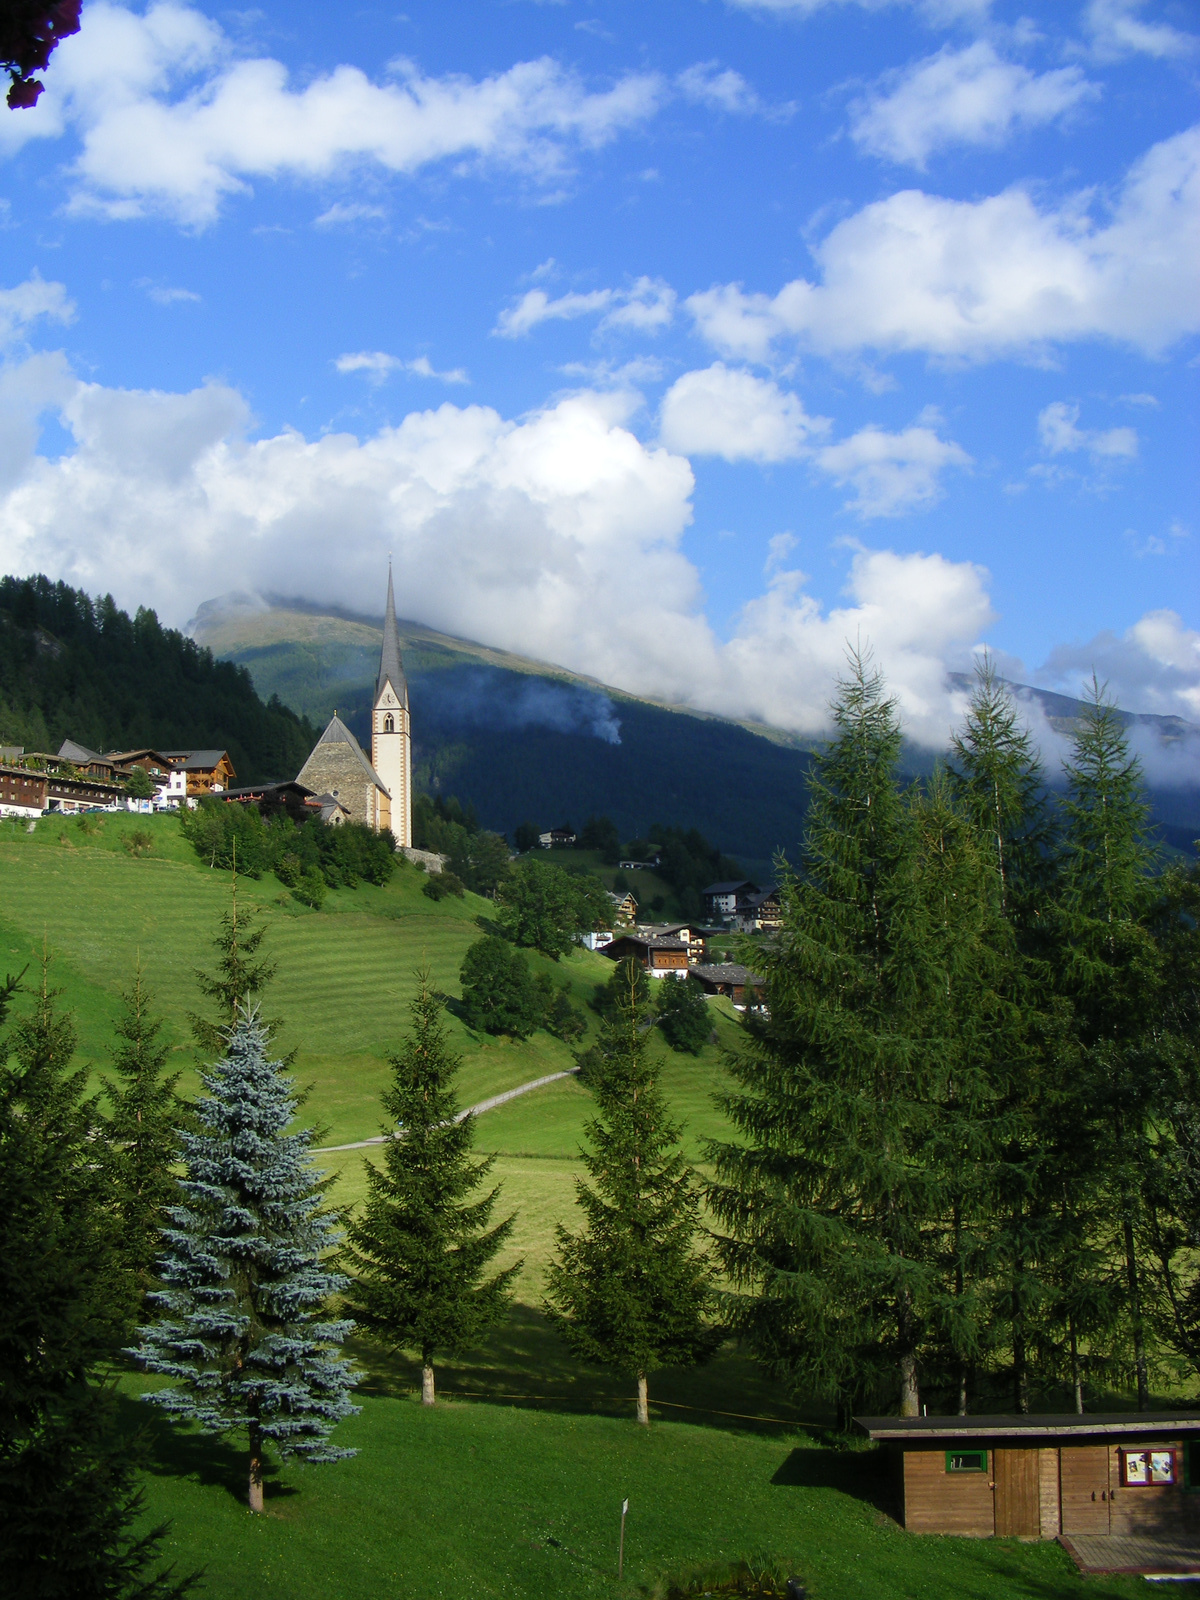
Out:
{"x": 512, "y": 1485}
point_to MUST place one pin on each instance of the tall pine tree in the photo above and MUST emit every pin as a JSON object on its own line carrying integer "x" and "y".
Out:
{"x": 245, "y": 1327}
{"x": 68, "y": 1493}
{"x": 832, "y": 1204}
{"x": 421, "y": 1247}
{"x": 630, "y": 1290}
{"x": 143, "y": 1133}
{"x": 239, "y": 977}
{"x": 1109, "y": 968}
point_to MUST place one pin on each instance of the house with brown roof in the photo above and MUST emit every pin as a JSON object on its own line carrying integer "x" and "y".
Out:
{"x": 660, "y": 957}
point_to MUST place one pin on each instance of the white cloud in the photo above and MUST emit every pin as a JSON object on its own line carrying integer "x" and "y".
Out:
{"x": 1153, "y": 666}
{"x": 731, "y": 413}
{"x": 561, "y": 536}
{"x": 171, "y": 124}
{"x": 967, "y": 96}
{"x": 341, "y": 214}
{"x": 378, "y": 365}
{"x": 165, "y": 296}
{"x": 1000, "y": 276}
{"x": 27, "y": 302}
{"x": 1059, "y": 433}
{"x": 892, "y": 473}
{"x": 647, "y": 306}
{"x": 1116, "y": 30}
{"x": 722, "y": 89}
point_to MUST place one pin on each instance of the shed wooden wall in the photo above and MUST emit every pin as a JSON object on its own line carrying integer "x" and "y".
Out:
{"x": 937, "y": 1501}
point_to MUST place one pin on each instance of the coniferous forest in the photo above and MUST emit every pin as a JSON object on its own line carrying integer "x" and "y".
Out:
{"x": 76, "y": 668}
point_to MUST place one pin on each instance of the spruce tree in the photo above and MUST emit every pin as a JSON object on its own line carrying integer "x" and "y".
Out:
{"x": 630, "y": 1290}
{"x": 1109, "y": 968}
{"x": 421, "y": 1247}
{"x": 832, "y": 1203}
{"x": 68, "y": 1493}
{"x": 143, "y": 1136}
{"x": 245, "y": 1327}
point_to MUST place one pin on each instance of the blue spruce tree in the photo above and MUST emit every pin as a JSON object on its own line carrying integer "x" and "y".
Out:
{"x": 245, "y": 1274}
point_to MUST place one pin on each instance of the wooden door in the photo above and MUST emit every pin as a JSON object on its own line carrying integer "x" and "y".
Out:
{"x": 1085, "y": 1489}
{"x": 1017, "y": 1509}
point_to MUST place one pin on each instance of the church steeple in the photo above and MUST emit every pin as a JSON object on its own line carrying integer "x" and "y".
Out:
{"x": 391, "y": 669}
{"x": 391, "y": 736}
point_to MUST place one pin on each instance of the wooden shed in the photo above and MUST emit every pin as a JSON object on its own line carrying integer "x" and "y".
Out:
{"x": 1120, "y": 1474}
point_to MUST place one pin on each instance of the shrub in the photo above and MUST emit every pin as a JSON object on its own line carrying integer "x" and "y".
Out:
{"x": 683, "y": 1015}
{"x": 559, "y": 1016}
{"x": 138, "y": 842}
{"x": 310, "y": 889}
{"x": 442, "y": 884}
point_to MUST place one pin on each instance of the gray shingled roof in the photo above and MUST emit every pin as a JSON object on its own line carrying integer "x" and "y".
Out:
{"x": 70, "y": 751}
{"x": 338, "y": 733}
{"x": 390, "y": 667}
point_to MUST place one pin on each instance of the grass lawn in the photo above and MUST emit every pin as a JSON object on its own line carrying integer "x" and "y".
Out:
{"x": 486, "y": 1500}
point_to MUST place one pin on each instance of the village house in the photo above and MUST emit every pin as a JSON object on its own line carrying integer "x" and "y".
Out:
{"x": 1117, "y": 1489}
{"x": 722, "y": 899}
{"x": 689, "y": 933}
{"x": 556, "y": 839}
{"x": 639, "y": 866}
{"x": 28, "y": 791}
{"x": 758, "y": 913}
{"x": 661, "y": 958}
{"x": 272, "y": 798}
{"x": 207, "y": 771}
{"x": 624, "y": 907}
{"x": 729, "y": 978}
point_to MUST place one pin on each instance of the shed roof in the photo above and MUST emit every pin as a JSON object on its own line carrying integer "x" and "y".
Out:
{"x": 915, "y": 1430}
{"x": 725, "y": 972}
{"x": 195, "y": 760}
{"x": 731, "y": 887}
{"x": 70, "y": 751}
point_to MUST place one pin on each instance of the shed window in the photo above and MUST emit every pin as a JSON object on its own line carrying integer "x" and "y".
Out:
{"x": 966, "y": 1460}
{"x": 1142, "y": 1469}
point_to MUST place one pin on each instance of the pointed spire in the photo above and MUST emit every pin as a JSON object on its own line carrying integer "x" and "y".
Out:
{"x": 390, "y": 667}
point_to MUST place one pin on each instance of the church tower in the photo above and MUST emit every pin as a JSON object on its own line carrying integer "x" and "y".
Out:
{"x": 391, "y": 739}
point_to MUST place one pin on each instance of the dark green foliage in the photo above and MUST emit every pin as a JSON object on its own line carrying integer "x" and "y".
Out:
{"x": 143, "y": 1136}
{"x": 444, "y": 883}
{"x": 480, "y": 861}
{"x": 238, "y": 978}
{"x": 499, "y": 994}
{"x": 628, "y": 976}
{"x": 683, "y": 1016}
{"x": 140, "y": 785}
{"x": 244, "y": 1327}
{"x": 442, "y": 824}
{"x": 831, "y": 1204}
{"x": 525, "y": 837}
{"x": 72, "y": 667}
{"x": 630, "y": 1290}
{"x": 309, "y": 888}
{"x": 556, "y": 1013}
{"x": 543, "y": 908}
{"x": 421, "y": 1246}
{"x": 688, "y": 863}
{"x": 600, "y": 833}
{"x": 68, "y": 1494}
{"x": 225, "y": 834}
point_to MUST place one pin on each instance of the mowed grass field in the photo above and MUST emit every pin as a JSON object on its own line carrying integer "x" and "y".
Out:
{"x": 512, "y": 1486}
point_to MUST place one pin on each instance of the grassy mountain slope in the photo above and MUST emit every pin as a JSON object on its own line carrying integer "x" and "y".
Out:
{"x": 513, "y": 1485}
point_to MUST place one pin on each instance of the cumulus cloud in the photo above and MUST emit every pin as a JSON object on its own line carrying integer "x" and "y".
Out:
{"x": 170, "y": 123}
{"x": 729, "y": 412}
{"x": 1117, "y": 30}
{"x": 648, "y": 305}
{"x": 560, "y": 535}
{"x": 892, "y": 473}
{"x": 1059, "y": 433}
{"x": 721, "y": 89}
{"x": 377, "y": 365}
{"x": 967, "y": 96}
{"x": 1001, "y": 276}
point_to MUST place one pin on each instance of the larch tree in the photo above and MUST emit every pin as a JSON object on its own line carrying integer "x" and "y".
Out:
{"x": 245, "y": 1328}
{"x": 421, "y": 1247}
{"x": 239, "y": 977}
{"x": 631, "y": 1290}
{"x": 143, "y": 1134}
{"x": 831, "y": 1203}
{"x": 68, "y": 1489}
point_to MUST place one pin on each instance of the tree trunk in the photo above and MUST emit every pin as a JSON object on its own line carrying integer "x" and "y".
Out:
{"x": 910, "y": 1396}
{"x": 256, "y": 1468}
{"x": 962, "y": 1388}
{"x": 1076, "y": 1370}
{"x": 643, "y": 1401}
{"x": 1135, "y": 1310}
{"x": 427, "y": 1390}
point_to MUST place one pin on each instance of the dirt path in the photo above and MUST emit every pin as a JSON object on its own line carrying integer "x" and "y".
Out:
{"x": 484, "y": 1105}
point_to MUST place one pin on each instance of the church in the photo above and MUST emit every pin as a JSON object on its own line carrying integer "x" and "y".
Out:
{"x": 379, "y": 791}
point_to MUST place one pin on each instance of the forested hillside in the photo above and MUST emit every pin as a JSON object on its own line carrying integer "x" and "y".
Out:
{"x": 73, "y": 667}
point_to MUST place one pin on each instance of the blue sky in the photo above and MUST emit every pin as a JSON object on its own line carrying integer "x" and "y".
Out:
{"x": 676, "y": 343}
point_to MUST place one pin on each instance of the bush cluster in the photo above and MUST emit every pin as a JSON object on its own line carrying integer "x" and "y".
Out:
{"x": 501, "y": 995}
{"x": 309, "y": 857}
